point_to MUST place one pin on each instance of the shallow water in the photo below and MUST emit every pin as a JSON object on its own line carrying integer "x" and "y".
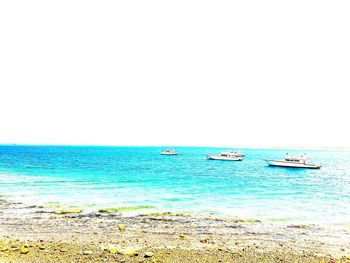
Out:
{"x": 139, "y": 177}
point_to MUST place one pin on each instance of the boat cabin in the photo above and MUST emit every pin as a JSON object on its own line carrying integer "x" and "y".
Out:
{"x": 301, "y": 159}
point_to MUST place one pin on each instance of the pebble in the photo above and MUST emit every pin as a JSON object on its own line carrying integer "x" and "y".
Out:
{"x": 113, "y": 250}
{"x": 24, "y": 250}
{"x": 121, "y": 227}
{"x": 130, "y": 252}
{"x": 148, "y": 254}
{"x": 87, "y": 252}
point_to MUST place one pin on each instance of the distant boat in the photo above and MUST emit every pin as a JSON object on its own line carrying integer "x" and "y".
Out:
{"x": 168, "y": 152}
{"x": 294, "y": 162}
{"x": 227, "y": 156}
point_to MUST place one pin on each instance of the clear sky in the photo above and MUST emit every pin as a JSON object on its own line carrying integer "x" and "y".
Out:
{"x": 207, "y": 73}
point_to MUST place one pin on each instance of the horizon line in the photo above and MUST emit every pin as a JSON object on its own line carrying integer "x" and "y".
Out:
{"x": 184, "y": 146}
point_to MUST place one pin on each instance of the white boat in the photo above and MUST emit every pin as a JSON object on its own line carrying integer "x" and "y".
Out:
{"x": 294, "y": 162}
{"x": 168, "y": 152}
{"x": 226, "y": 156}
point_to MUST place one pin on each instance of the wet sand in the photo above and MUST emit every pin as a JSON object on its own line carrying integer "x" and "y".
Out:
{"x": 36, "y": 234}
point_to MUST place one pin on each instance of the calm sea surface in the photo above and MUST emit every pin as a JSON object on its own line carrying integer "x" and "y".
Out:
{"x": 101, "y": 177}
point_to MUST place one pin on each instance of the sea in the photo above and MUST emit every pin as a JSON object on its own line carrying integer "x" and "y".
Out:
{"x": 141, "y": 180}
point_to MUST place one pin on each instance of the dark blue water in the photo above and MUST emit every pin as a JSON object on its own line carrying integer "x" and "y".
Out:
{"x": 95, "y": 177}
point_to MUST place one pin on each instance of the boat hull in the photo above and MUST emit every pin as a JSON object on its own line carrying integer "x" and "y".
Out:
{"x": 292, "y": 164}
{"x": 165, "y": 153}
{"x": 224, "y": 158}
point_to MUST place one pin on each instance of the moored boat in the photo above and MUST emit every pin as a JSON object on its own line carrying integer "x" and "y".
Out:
{"x": 168, "y": 152}
{"x": 294, "y": 162}
{"x": 227, "y": 156}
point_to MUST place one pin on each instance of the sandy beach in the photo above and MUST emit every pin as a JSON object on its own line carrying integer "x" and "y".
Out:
{"x": 37, "y": 234}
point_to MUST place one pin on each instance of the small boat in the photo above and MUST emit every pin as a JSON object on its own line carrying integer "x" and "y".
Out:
{"x": 226, "y": 156}
{"x": 168, "y": 152}
{"x": 294, "y": 162}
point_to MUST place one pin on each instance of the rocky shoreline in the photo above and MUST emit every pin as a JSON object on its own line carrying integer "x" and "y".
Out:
{"x": 34, "y": 234}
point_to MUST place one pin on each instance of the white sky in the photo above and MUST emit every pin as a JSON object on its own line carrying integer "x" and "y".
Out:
{"x": 210, "y": 73}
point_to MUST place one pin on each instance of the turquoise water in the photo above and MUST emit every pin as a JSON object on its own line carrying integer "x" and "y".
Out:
{"x": 100, "y": 177}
